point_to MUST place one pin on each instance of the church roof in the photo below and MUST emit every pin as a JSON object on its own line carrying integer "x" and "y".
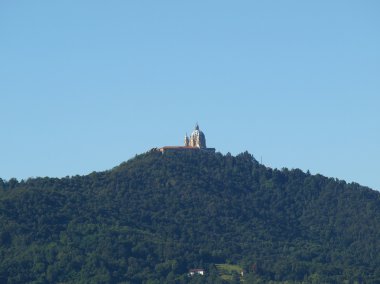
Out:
{"x": 165, "y": 148}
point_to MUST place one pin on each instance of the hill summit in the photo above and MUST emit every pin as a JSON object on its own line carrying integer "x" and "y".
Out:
{"x": 160, "y": 215}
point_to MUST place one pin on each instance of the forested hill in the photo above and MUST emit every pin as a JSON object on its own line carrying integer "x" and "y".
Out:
{"x": 156, "y": 216}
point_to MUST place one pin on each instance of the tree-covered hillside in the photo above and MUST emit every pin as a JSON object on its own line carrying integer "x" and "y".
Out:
{"x": 156, "y": 216}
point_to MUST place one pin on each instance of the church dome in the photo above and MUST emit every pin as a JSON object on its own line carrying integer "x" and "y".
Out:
{"x": 197, "y": 138}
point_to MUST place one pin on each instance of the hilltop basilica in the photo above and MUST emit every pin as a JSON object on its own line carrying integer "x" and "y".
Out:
{"x": 196, "y": 141}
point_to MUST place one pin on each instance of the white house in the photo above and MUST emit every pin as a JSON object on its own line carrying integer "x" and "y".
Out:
{"x": 198, "y": 271}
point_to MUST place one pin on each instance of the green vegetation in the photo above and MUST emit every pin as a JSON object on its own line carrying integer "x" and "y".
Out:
{"x": 229, "y": 272}
{"x": 156, "y": 216}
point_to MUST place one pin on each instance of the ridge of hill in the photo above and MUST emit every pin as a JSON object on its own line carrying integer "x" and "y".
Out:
{"x": 151, "y": 219}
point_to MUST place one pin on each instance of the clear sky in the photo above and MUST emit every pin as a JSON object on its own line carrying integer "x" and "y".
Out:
{"x": 85, "y": 85}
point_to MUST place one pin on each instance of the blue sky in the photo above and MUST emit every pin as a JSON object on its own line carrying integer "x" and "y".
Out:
{"x": 85, "y": 85}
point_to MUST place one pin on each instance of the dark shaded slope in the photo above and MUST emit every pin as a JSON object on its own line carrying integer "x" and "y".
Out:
{"x": 156, "y": 216}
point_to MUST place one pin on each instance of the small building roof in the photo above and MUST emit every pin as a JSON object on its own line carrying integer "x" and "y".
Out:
{"x": 196, "y": 270}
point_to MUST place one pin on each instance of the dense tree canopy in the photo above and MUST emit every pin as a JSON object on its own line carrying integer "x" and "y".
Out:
{"x": 156, "y": 216}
